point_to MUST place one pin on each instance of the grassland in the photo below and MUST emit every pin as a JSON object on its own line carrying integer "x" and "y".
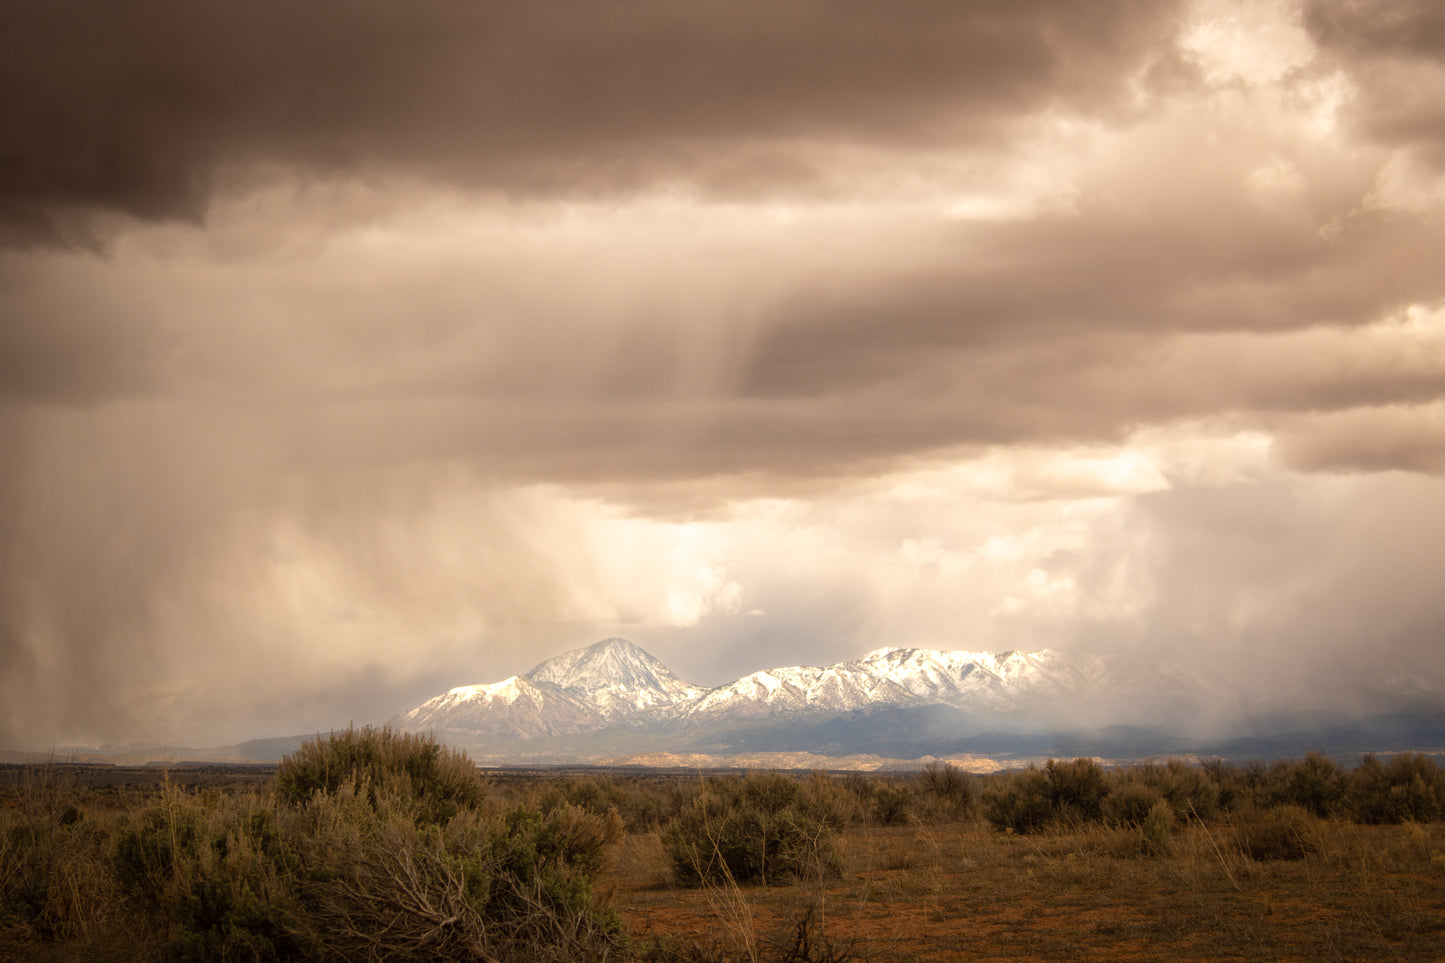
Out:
{"x": 377, "y": 849}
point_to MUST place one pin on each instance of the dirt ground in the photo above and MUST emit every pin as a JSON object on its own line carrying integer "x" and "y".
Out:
{"x": 968, "y": 893}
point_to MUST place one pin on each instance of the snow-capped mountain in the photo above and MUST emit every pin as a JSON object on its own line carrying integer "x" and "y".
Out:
{"x": 615, "y": 684}
{"x": 515, "y": 708}
{"x": 616, "y": 678}
{"x": 612, "y": 681}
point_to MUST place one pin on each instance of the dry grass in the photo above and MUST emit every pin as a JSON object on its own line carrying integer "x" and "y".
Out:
{"x": 964, "y": 891}
{"x": 940, "y": 885}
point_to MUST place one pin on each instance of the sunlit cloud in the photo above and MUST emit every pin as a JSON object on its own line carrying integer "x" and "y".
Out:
{"x": 421, "y": 355}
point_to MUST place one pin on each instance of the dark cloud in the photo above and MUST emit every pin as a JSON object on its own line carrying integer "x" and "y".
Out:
{"x": 147, "y": 108}
{"x": 350, "y": 344}
{"x": 1370, "y": 439}
{"x": 1413, "y": 29}
{"x": 1204, "y": 261}
{"x": 1394, "y": 52}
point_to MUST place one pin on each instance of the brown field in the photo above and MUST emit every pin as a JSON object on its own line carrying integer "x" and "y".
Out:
{"x": 931, "y": 879}
{"x": 966, "y": 892}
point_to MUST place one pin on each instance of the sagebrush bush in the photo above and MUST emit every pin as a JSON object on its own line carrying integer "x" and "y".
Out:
{"x": 503, "y": 885}
{"x": 1155, "y": 832}
{"x": 762, "y": 827}
{"x": 55, "y": 882}
{"x": 1315, "y": 782}
{"x": 890, "y": 804}
{"x": 946, "y": 791}
{"x": 238, "y": 897}
{"x": 1021, "y": 803}
{"x": 881, "y": 800}
{"x": 1061, "y": 791}
{"x": 637, "y": 807}
{"x": 1282, "y": 832}
{"x": 1188, "y": 789}
{"x": 1236, "y": 787}
{"x": 1130, "y": 802}
{"x": 1409, "y": 788}
{"x": 438, "y": 780}
{"x": 1077, "y": 789}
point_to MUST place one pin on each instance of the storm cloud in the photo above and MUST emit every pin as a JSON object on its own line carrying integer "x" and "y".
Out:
{"x": 354, "y": 351}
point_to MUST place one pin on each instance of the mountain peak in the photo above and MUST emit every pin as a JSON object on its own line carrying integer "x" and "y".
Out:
{"x": 613, "y": 673}
{"x": 613, "y": 684}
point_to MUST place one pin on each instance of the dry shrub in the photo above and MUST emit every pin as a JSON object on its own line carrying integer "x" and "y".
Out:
{"x": 638, "y": 808}
{"x": 1188, "y": 789}
{"x": 946, "y": 791}
{"x": 878, "y": 799}
{"x": 236, "y": 896}
{"x": 440, "y": 781}
{"x": 763, "y": 827}
{"x": 890, "y": 804}
{"x": 1156, "y": 831}
{"x": 1283, "y": 832}
{"x": 483, "y": 885}
{"x": 55, "y": 882}
{"x": 1410, "y": 788}
{"x": 1019, "y": 803}
{"x": 1130, "y": 801}
{"x": 1315, "y": 783}
{"x": 1066, "y": 792}
{"x": 1077, "y": 789}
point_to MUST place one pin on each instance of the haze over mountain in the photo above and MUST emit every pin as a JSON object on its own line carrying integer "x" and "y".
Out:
{"x": 349, "y": 351}
{"x": 612, "y": 701}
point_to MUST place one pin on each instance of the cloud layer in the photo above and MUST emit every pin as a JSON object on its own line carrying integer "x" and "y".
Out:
{"x": 356, "y": 351}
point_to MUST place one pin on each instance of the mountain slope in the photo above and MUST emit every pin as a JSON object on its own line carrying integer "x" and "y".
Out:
{"x": 616, "y": 684}
{"x": 615, "y": 678}
{"x": 514, "y": 708}
{"x": 612, "y": 700}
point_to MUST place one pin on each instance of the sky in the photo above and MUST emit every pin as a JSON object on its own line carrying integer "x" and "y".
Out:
{"x": 354, "y": 351}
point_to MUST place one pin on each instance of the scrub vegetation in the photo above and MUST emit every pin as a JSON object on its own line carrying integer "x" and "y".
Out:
{"x": 374, "y": 845}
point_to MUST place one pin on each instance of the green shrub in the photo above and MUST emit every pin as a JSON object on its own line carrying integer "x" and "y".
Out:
{"x": 761, "y": 828}
{"x": 822, "y": 798}
{"x": 1409, "y": 788}
{"x": 215, "y": 875}
{"x": 1283, "y": 832}
{"x": 439, "y": 781}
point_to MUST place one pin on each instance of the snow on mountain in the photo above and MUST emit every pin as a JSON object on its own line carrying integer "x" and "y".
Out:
{"x": 982, "y": 680}
{"x": 794, "y": 689}
{"x": 616, "y": 678}
{"x": 512, "y": 708}
{"x": 616, "y": 683}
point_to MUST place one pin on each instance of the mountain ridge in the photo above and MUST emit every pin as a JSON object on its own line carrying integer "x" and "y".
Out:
{"x": 615, "y": 684}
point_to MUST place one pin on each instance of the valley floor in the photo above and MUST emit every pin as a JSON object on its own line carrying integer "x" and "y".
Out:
{"x": 966, "y": 892}
{"x": 931, "y": 887}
